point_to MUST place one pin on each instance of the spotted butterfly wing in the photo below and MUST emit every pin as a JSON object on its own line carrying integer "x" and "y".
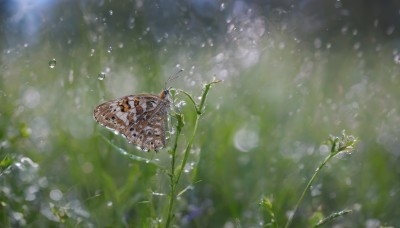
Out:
{"x": 141, "y": 118}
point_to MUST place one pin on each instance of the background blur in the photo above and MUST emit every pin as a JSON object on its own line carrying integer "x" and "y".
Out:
{"x": 293, "y": 73}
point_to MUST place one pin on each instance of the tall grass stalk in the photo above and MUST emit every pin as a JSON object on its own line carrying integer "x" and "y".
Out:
{"x": 175, "y": 176}
{"x": 343, "y": 144}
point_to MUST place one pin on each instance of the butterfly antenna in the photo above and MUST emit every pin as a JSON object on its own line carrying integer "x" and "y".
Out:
{"x": 173, "y": 77}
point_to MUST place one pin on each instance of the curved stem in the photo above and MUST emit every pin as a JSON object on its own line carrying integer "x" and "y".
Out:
{"x": 307, "y": 188}
{"x": 174, "y": 178}
{"x": 187, "y": 150}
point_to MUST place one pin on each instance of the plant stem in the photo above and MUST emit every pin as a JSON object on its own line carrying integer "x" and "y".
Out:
{"x": 172, "y": 174}
{"x": 174, "y": 179}
{"x": 308, "y": 188}
{"x": 187, "y": 150}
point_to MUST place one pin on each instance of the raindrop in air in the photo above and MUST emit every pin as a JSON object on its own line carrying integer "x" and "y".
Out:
{"x": 52, "y": 63}
{"x": 397, "y": 59}
{"x": 222, "y": 7}
{"x": 101, "y": 76}
{"x": 56, "y": 195}
{"x": 246, "y": 139}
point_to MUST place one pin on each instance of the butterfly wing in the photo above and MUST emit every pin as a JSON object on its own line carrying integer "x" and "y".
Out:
{"x": 139, "y": 118}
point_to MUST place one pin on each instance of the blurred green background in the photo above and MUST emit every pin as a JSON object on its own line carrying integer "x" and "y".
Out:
{"x": 293, "y": 73}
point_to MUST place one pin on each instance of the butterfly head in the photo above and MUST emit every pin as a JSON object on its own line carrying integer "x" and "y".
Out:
{"x": 164, "y": 93}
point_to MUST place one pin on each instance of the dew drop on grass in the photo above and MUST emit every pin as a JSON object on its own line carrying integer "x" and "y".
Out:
{"x": 52, "y": 63}
{"x": 101, "y": 76}
{"x": 109, "y": 203}
{"x": 172, "y": 131}
{"x": 180, "y": 104}
{"x": 158, "y": 194}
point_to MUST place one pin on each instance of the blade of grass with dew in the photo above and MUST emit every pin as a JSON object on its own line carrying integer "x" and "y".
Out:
{"x": 332, "y": 216}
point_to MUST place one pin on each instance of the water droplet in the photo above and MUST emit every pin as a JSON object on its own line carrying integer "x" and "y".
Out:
{"x": 246, "y": 139}
{"x": 316, "y": 190}
{"x": 31, "y": 98}
{"x": 158, "y": 194}
{"x": 328, "y": 45}
{"x": 317, "y": 43}
{"x": 390, "y": 30}
{"x": 131, "y": 23}
{"x": 18, "y": 217}
{"x": 110, "y": 12}
{"x": 109, "y": 50}
{"x": 370, "y": 223}
{"x": 356, "y": 46}
{"x": 56, "y": 195}
{"x": 222, "y": 7}
{"x": 172, "y": 131}
{"x": 109, "y": 203}
{"x": 376, "y": 22}
{"x": 43, "y": 182}
{"x": 52, "y": 63}
{"x": 101, "y": 76}
{"x": 210, "y": 42}
{"x": 180, "y": 104}
{"x": 397, "y": 59}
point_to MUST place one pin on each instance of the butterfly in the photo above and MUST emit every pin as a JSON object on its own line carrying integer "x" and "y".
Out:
{"x": 141, "y": 119}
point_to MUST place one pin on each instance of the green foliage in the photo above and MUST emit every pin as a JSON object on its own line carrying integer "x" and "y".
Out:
{"x": 343, "y": 144}
{"x": 241, "y": 158}
{"x": 175, "y": 176}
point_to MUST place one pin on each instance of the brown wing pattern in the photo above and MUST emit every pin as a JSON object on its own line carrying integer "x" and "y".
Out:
{"x": 139, "y": 118}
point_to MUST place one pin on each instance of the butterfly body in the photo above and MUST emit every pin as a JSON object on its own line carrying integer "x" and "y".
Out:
{"x": 141, "y": 118}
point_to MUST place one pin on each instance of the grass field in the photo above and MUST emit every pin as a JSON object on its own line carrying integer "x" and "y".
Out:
{"x": 261, "y": 135}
